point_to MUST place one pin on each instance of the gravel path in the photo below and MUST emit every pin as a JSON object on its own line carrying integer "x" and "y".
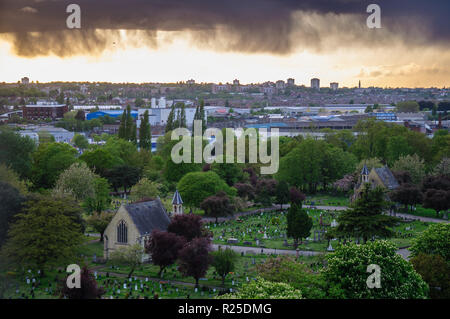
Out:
{"x": 256, "y": 250}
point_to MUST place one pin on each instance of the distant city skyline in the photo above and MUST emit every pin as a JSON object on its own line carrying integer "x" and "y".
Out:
{"x": 333, "y": 84}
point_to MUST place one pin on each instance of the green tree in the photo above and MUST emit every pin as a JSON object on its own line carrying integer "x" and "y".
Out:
{"x": 16, "y": 152}
{"x": 397, "y": 146}
{"x": 139, "y": 102}
{"x": 302, "y": 166}
{"x": 299, "y": 224}
{"x": 224, "y": 262}
{"x": 144, "y": 189}
{"x": 123, "y": 152}
{"x": 443, "y": 167}
{"x": 99, "y": 221}
{"x": 282, "y": 193}
{"x": 336, "y": 163}
{"x": 60, "y": 98}
{"x": 50, "y": 160}
{"x": 11, "y": 202}
{"x": 79, "y": 116}
{"x": 347, "y": 274}
{"x": 435, "y": 240}
{"x": 173, "y": 172}
{"x": 365, "y": 218}
{"x": 123, "y": 126}
{"x": 440, "y": 145}
{"x": 408, "y": 107}
{"x": 196, "y": 186}
{"x": 80, "y": 141}
{"x": 231, "y": 173}
{"x": 170, "y": 125}
{"x": 145, "y": 137}
{"x": 182, "y": 119}
{"x": 297, "y": 274}
{"x": 128, "y": 125}
{"x": 12, "y": 178}
{"x": 128, "y": 256}
{"x": 46, "y": 234}
{"x": 77, "y": 180}
{"x": 100, "y": 160}
{"x": 123, "y": 176}
{"x": 101, "y": 199}
{"x": 412, "y": 164}
{"x": 436, "y": 273}
{"x": 133, "y": 134}
{"x": 263, "y": 289}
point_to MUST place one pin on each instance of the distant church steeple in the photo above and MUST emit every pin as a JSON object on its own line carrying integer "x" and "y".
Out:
{"x": 177, "y": 203}
{"x": 364, "y": 174}
{"x": 359, "y": 84}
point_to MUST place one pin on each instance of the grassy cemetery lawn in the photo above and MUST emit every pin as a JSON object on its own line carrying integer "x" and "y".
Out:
{"x": 245, "y": 268}
{"x": 143, "y": 282}
{"x": 421, "y": 211}
{"x": 138, "y": 288}
{"x": 268, "y": 230}
{"x": 407, "y": 231}
{"x": 92, "y": 246}
{"x": 327, "y": 200}
{"x": 32, "y": 286}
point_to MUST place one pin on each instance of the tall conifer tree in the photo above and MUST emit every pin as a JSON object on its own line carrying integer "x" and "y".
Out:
{"x": 170, "y": 120}
{"x": 144, "y": 133}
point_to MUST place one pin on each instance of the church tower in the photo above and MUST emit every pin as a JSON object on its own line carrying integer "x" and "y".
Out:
{"x": 177, "y": 203}
{"x": 364, "y": 174}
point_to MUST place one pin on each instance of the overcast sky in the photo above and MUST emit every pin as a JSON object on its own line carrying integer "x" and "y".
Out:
{"x": 218, "y": 41}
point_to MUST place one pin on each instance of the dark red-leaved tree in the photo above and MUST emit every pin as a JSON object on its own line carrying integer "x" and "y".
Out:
{"x": 436, "y": 191}
{"x": 265, "y": 189}
{"x": 437, "y": 199}
{"x": 244, "y": 190}
{"x": 194, "y": 258}
{"x": 436, "y": 182}
{"x": 88, "y": 287}
{"x": 164, "y": 248}
{"x": 406, "y": 194}
{"x": 218, "y": 205}
{"x": 402, "y": 177}
{"x": 296, "y": 196}
{"x": 252, "y": 175}
{"x": 189, "y": 226}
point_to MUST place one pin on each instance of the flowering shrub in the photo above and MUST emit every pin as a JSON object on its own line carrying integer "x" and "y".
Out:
{"x": 435, "y": 240}
{"x": 263, "y": 289}
{"x": 347, "y": 273}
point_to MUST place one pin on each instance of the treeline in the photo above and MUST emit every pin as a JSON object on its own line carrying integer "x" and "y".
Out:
{"x": 22, "y": 92}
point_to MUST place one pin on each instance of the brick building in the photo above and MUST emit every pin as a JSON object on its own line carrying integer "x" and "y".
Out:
{"x": 44, "y": 111}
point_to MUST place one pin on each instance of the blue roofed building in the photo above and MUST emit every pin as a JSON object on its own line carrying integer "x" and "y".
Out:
{"x": 384, "y": 116}
{"x": 110, "y": 113}
{"x": 266, "y": 125}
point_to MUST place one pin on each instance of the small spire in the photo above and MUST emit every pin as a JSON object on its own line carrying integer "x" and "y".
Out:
{"x": 176, "y": 200}
{"x": 365, "y": 170}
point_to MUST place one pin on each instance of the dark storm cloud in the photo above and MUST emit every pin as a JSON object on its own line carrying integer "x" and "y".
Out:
{"x": 38, "y": 27}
